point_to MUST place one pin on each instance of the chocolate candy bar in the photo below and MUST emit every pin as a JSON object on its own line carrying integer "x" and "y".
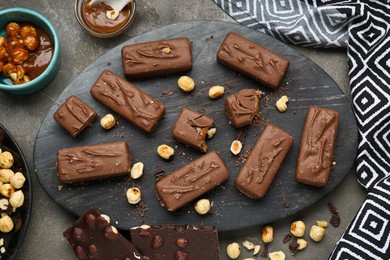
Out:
{"x": 317, "y": 145}
{"x": 191, "y": 181}
{"x": 74, "y": 115}
{"x": 156, "y": 58}
{"x": 253, "y": 60}
{"x": 242, "y": 106}
{"x": 92, "y": 162}
{"x": 93, "y": 237}
{"x": 128, "y": 101}
{"x": 176, "y": 242}
{"x": 263, "y": 162}
{"x": 191, "y": 128}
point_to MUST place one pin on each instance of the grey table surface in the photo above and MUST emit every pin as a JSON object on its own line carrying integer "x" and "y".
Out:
{"x": 23, "y": 116}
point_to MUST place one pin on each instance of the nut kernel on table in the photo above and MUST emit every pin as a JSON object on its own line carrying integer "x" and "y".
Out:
{"x": 165, "y": 151}
{"x": 202, "y": 206}
{"x": 297, "y": 228}
{"x": 186, "y": 83}
{"x": 216, "y": 92}
{"x": 236, "y": 147}
{"x": 108, "y": 121}
{"x": 137, "y": 170}
{"x": 281, "y": 104}
{"x": 133, "y": 195}
{"x": 233, "y": 250}
{"x": 267, "y": 234}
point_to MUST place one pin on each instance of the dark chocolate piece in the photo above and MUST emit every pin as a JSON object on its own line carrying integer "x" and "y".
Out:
{"x": 92, "y": 162}
{"x": 176, "y": 242}
{"x": 191, "y": 128}
{"x": 156, "y": 58}
{"x": 262, "y": 164}
{"x": 92, "y": 237}
{"x": 128, "y": 101}
{"x": 191, "y": 181}
{"x": 74, "y": 115}
{"x": 253, "y": 60}
{"x": 317, "y": 145}
{"x": 242, "y": 106}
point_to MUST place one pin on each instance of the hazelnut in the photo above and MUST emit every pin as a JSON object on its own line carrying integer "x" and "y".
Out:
{"x": 19, "y": 55}
{"x": 31, "y": 42}
{"x": 297, "y": 228}
{"x": 137, "y": 170}
{"x": 236, "y": 147}
{"x": 302, "y": 243}
{"x": 17, "y": 180}
{"x": 3, "y": 52}
{"x": 28, "y": 30}
{"x": 267, "y": 234}
{"x": 211, "y": 132}
{"x": 203, "y": 206}
{"x": 216, "y": 92}
{"x": 248, "y": 245}
{"x": 8, "y": 69}
{"x": 112, "y": 14}
{"x": 256, "y": 250}
{"x": 17, "y": 199}
{"x": 165, "y": 151}
{"x": 6, "y": 190}
{"x": 317, "y": 233}
{"x": 6, "y": 160}
{"x": 233, "y": 250}
{"x": 186, "y": 83}
{"x": 322, "y": 223}
{"x": 133, "y": 195}
{"x": 166, "y": 50}
{"x": 6, "y": 175}
{"x": 281, "y": 104}
{"x": 6, "y": 224}
{"x": 279, "y": 255}
{"x": 108, "y": 121}
{"x": 12, "y": 29}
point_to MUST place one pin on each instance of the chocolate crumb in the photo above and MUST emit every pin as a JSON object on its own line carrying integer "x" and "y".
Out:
{"x": 293, "y": 246}
{"x": 335, "y": 220}
{"x": 159, "y": 174}
{"x": 286, "y": 202}
{"x": 286, "y": 238}
{"x": 332, "y": 208}
{"x": 264, "y": 254}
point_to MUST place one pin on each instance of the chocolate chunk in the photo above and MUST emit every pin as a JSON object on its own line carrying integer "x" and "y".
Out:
{"x": 317, "y": 144}
{"x": 264, "y": 254}
{"x": 191, "y": 181}
{"x": 89, "y": 240}
{"x": 242, "y": 106}
{"x": 263, "y": 162}
{"x": 191, "y": 128}
{"x": 74, "y": 115}
{"x": 253, "y": 60}
{"x": 179, "y": 242}
{"x": 156, "y": 58}
{"x": 335, "y": 220}
{"x": 286, "y": 238}
{"x": 293, "y": 246}
{"x": 128, "y": 101}
{"x": 92, "y": 162}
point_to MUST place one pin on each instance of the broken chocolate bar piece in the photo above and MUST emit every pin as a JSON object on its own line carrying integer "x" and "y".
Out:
{"x": 191, "y": 181}
{"x": 92, "y": 162}
{"x": 176, "y": 242}
{"x": 74, "y": 115}
{"x": 191, "y": 128}
{"x": 317, "y": 145}
{"x": 263, "y": 162}
{"x": 128, "y": 101}
{"x": 253, "y": 60}
{"x": 242, "y": 106}
{"x": 156, "y": 58}
{"x": 93, "y": 237}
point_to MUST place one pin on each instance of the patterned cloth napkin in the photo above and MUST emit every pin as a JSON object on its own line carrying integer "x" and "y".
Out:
{"x": 363, "y": 27}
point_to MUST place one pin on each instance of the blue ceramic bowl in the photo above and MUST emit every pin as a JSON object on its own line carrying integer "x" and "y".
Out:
{"x": 29, "y": 16}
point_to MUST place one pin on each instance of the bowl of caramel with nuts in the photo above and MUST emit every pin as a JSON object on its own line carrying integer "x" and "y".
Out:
{"x": 29, "y": 51}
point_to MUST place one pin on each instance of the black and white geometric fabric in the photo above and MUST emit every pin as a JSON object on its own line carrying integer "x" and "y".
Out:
{"x": 363, "y": 28}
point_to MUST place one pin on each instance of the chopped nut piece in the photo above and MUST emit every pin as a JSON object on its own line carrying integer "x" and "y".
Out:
{"x": 302, "y": 243}
{"x": 256, "y": 250}
{"x": 236, "y": 147}
{"x": 17, "y": 180}
{"x": 267, "y": 234}
{"x": 133, "y": 195}
{"x": 6, "y": 175}
{"x": 166, "y": 50}
{"x": 281, "y": 104}
{"x": 112, "y": 14}
{"x": 216, "y": 92}
{"x": 108, "y": 121}
{"x": 279, "y": 255}
{"x": 322, "y": 223}
{"x": 107, "y": 218}
{"x": 166, "y": 152}
{"x": 17, "y": 199}
{"x": 186, "y": 83}
{"x": 4, "y": 204}
{"x": 248, "y": 245}
{"x": 6, "y": 224}
{"x": 203, "y": 206}
{"x": 137, "y": 170}
{"x": 233, "y": 250}
{"x": 6, "y": 160}
{"x": 211, "y": 132}
{"x": 298, "y": 228}
{"x": 317, "y": 233}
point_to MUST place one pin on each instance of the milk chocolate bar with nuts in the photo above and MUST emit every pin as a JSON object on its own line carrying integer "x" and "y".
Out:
{"x": 263, "y": 162}
{"x": 191, "y": 129}
{"x": 156, "y": 58}
{"x": 176, "y": 242}
{"x": 317, "y": 145}
{"x": 74, "y": 115}
{"x": 128, "y": 101}
{"x": 191, "y": 181}
{"x": 93, "y": 162}
{"x": 253, "y": 60}
{"x": 93, "y": 237}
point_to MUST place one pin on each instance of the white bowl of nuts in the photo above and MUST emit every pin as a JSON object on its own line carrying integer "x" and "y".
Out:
{"x": 15, "y": 195}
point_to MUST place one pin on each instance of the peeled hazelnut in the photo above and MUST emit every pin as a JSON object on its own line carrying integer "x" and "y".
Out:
{"x": 166, "y": 152}
{"x": 248, "y": 245}
{"x": 6, "y": 224}
{"x": 233, "y": 250}
{"x": 298, "y": 228}
{"x": 302, "y": 243}
{"x": 166, "y": 50}
{"x": 216, "y": 92}
{"x": 31, "y": 42}
{"x": 203, "y": 206}
{"x": 17, "y": 180}
{"x": 211, "y": 132}
{"x": 7, "y": 190}
{"x": 17, "y": 199}
{"x": 112, "y": 14}
{"x": 236, "y": 147}
{"x": 317, "y": 233}
{"x": 186, "y": 83}
{"x": 12, "y": 29}
{"x": 267, "y": 234}
{"x": 28, "y": 30}
{"x": 137, "y": 170}
{"x": 279, "y": 255}
{"x": 133, "y": 195}
{"x": 6, "y": 160}
{"x": 6, "y": 175}
{"x": 322, "y": 223}
{"x": 281, "y": 104}
{"x": 108, "y": 121}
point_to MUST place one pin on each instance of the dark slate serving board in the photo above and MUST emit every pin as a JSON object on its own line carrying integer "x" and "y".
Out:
{"x": 306, "y": 84}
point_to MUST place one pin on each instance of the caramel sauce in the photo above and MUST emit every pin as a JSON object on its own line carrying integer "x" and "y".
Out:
{"x": 95, "y": 17}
